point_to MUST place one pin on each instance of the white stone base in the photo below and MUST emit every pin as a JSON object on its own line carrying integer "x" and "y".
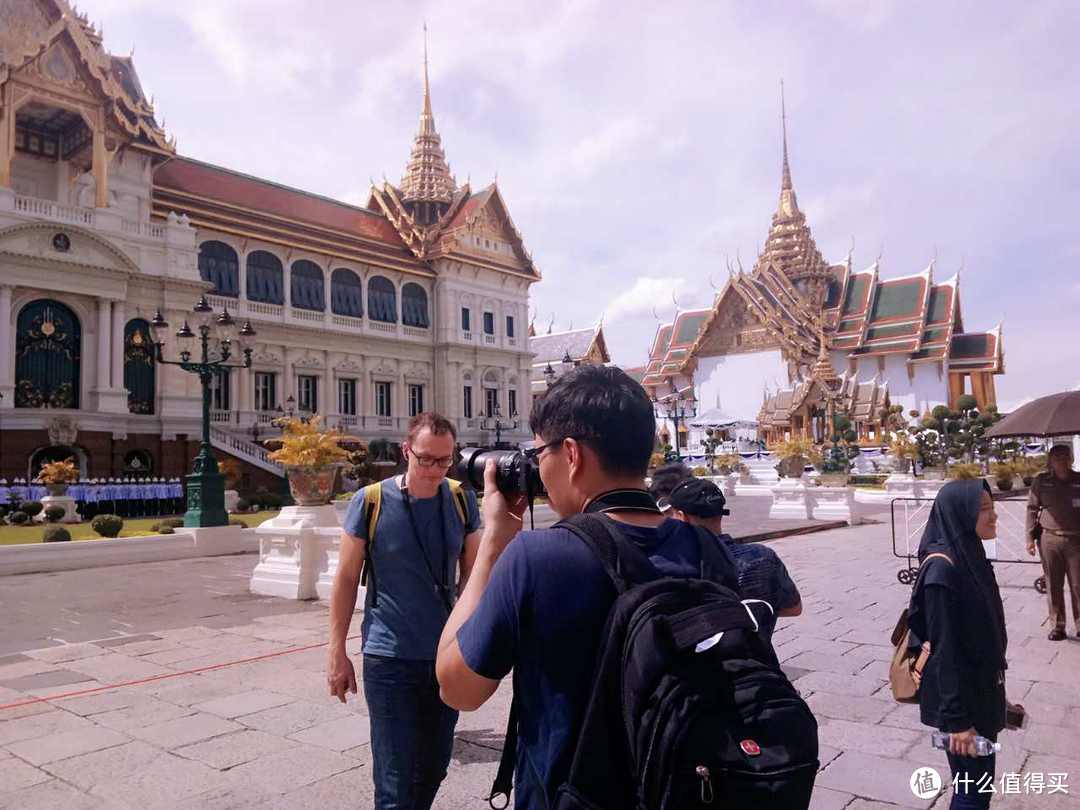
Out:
{"x": 231, "y": 499}
{"x": 216, "y": 540}
{"x": 834, "y": 503}
{"x": 753, "y": 490}
{"x": 928, "y": 488}
{"x": 790, "y": 500}
{"x": 65, "y": 501}
{"x": 298, "y": 553}
{"x": 900, "y": 485}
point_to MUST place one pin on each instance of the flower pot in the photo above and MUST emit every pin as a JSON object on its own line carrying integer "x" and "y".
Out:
{"x": 57, "y": 489}
{"x": 1027, "y": 479}
{"x": 312, "y": 486}
{"x": 791, "y": 467}
{"x": 1004, "y": 484}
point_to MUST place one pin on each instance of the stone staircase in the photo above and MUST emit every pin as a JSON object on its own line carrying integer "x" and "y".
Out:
{"x": 245, "y": 450}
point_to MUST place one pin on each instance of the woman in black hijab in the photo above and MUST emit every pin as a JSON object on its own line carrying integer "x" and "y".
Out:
{"x": 956, "y": 607}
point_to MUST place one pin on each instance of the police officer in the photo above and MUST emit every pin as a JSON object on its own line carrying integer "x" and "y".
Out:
{"x": 1053, "y": 520}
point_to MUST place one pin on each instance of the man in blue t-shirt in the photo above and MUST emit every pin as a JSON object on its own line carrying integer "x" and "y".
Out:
{"x": 421, "y": 545}
{"x": 537, "y": 601}
{"x": 762, "y": 574}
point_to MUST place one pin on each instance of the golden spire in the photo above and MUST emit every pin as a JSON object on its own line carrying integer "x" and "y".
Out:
{"x": 788, "y": 206}
{"x": 786, "y": 182}
{"x": 427, "y": 176}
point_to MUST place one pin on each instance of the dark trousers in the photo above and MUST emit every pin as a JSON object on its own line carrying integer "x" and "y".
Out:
{"x": 1061, "y": 564}
{"x": 980, "y": 772}
{"x": 412, "y": 731}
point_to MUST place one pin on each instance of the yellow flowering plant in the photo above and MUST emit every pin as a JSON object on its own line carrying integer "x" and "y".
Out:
{"x": 308, "y": 444}
{"x": 58, "y": 472}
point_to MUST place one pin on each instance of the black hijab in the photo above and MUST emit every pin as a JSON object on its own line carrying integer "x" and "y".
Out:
{"x": 951, "y": 531}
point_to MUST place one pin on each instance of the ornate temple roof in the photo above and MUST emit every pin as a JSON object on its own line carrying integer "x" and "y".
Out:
{"x": 578, "y": 343}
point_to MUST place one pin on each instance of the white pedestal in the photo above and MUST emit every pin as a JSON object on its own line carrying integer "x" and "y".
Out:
{"x": 900, "y": 485}
{"x": 216, "y": 540}
{"x": 298, "y": 553}
{"x": 928, "y": 488}
{"x": 789, "y": 500}
{"x": 231, "y": 499}
{"x": 834, "y": 503}
{"x": 64, "y": 501}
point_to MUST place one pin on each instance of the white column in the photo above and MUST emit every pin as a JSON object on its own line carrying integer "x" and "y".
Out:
{"x": 104, "y": 332}
{"x": 7, "y": 350}
{"x": 119, "y": 321}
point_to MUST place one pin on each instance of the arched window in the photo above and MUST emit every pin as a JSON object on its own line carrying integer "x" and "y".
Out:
{"x": 382, "y": 300}
{"x": 218, "y": 265}
{"x": 414, "y": 306}
{"x": 48, "y": 353}
{"x": 346, "y": 293}
{"x": 265, "y": 278}
{"x": 308, "y": 286}
{"x": 139, "y": 366}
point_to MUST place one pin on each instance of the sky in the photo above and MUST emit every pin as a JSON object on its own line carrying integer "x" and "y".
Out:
{"x": 637, "y": 144}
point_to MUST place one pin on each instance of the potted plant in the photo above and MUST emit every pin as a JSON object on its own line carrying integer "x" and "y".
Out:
{"x": 1004, "y": 472}
{"x": 1030, "y": 466}
{"x": 965, "y": 471}
{"x": 56, "y": 475}
{"x": 311, "y": 456}
{"x": 793, "y": 455}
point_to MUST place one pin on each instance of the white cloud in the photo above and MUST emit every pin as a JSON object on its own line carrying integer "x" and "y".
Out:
{"x": 644, "y": 295}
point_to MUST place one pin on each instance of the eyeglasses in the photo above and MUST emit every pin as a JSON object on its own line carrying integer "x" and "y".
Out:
{"x": 533, "y": 451}
{"x": 432, "y": 461}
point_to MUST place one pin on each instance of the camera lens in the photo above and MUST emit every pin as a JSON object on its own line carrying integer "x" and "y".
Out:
{"x": 514, "y": 473}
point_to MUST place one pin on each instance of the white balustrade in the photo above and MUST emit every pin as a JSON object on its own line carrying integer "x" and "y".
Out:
{"x": 77, "y": 215}
{"x": 466, "y": 336}
{"x": 348, "y": 322}
{"x": 417, "y": 332}
{"x": 308, "y": 315}
{"x": 379, "y": 326}
{"x": 489, "y": 340}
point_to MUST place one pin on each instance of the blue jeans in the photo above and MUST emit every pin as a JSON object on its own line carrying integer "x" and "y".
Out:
{"x": 412, "y": 731}
{"x": 980, "y": 770}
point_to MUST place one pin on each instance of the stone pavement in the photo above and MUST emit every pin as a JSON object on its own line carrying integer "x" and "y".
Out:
{"x": 261, "y": 732}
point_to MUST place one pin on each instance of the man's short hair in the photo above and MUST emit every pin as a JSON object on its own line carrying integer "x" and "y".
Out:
{"x": 667, "y": 477}
{"x": 605, "y": 408}
{"x": 437, "y": 424}
{"x": 1060, "y": 450}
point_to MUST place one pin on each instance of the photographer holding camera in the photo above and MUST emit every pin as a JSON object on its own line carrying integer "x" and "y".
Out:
{"x": 410, "y": 536}
{"x": 537, "y": 602}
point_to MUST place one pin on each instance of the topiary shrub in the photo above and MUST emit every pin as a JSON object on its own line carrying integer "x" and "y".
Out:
{"x": 54, "y": 513}
{"x": 56, "y": 534}
{"x": 107, "y": 525}
{"x": 31, "y": 508}
{"x": 238, "y": 522}
{"x": 166, "y": 530}
{"x": 242, "y": 505}
{"x": 19, "y": 518}
{"x": 700, "y": 471}
{"x": 171, "y": 523}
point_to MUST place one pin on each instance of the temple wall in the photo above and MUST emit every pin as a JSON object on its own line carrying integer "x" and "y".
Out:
{"x": 924, "y": 391}
{"x": 735, "y": 383}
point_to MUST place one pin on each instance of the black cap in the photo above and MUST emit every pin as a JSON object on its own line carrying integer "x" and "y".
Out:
{"x": 699, "y": 498}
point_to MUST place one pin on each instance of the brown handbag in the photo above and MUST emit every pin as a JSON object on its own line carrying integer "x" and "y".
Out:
{"x": 907, "y": 665}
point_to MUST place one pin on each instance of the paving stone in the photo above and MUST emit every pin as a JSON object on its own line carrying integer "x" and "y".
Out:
{"x": 185, "y": 730}
{"x": 244, "y": 703}
{"x": 848, "y": 707}
{"x": 825, "y": 799}
{"x": 16, "y": 774}
{"x": 861, "y": 685}
{"x": 867, "y": 738}
{"x": 117, "y": 668}
{"x": 66, "y": 744}
{"x": 166, "y": 776}
{"x": 67, "y": 652}
{"x": 343, "y": 791}
{"x": 146, "y": 711}
{"x": 872, "y": 777}
{"x": 1046, "y": 739}
{"x": 51, "y": 795}
{"x": 290, "y": 770}
{"x": 337, "y": 735}
{"x": 46, "y": 680}
{"x": 99, "y": 703}
{"x": 292, "y": 717}
{"x": 122, "y": 641}
{"x": 21, "y": 668}
{"x": 51, "y": 721}
{"x": 87, "y": 770}
{"x": 230, "y": 750}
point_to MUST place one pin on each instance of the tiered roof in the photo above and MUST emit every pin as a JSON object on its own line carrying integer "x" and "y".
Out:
{"x": 672, "y": 344}
{"x": 427, "y": 177}
{"x": 580, "y": 345}
{"x": 863, "y": 400}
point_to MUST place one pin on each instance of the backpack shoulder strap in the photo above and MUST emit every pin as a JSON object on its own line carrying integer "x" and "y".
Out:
{"x": 625, "y": 564}
{"x": 929, "y": 557}
{"x": 372, "y": 505}
{"x": 457, "y": 495}
{"x": 715, "y": 564}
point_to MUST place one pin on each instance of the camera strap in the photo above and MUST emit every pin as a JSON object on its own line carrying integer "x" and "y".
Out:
{"x": 441, "y": 585}
{"x": 622, "y": 500}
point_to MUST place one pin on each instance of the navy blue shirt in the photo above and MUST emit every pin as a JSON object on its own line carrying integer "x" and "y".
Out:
{"x": 542, "y": 615}
{"x": 410, "y": 614}
{"x": 762, "y": 575}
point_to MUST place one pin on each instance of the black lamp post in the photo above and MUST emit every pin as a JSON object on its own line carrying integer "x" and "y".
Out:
{"x": 549, "y": 375}
{"x": 205, "y": 484}
{"x": 677, "y": 407}
{"x": 499, "y": 425}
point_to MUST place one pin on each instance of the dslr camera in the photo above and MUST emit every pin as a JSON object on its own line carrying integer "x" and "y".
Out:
{"x": 515, "y": 473}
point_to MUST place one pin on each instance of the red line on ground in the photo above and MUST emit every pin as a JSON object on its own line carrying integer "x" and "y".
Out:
{"x": 164, "y": 677}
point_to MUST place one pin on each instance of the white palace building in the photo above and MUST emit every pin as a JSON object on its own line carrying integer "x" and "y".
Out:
{"x": 365, "y": 315}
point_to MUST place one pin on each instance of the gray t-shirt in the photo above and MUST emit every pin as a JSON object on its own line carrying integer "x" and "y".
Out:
{"x": 410, "y": 614}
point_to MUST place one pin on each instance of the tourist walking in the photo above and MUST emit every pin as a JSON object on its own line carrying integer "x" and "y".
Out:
{"x": 956, "y": 609}
{"x": 412, "y": 539}
{"x": 1053, "y": 523}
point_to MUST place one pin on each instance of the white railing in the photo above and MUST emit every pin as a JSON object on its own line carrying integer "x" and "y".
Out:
{"x": 347, "y": 420}
{"x": 511, "y": 341}
{"x": 385, "y": 421}
{"x": 221, "y": 417}
{"x": 220, "y": 302}
{"x": 489, "y": 340}
{"x": 149, "y": 229}
{"x": 348, "y": 321}
{"x": 275, "y": 311}
{"x": 379, "y": 326}
{"x": 309, "y": 315}
{"x": 77, "y": 215}
{"x": 244, "y": 449}
{"x": 466, "y": 336}
{"x": 416, "y": 331}
{"x": 266, "y": 417}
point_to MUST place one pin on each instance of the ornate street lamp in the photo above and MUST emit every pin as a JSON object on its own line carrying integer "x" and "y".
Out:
{"x": 549, "y": 375}
{"x": 205, "y": 484}
{"x": 499, "y": 425}
{"x": 678, "y": 407}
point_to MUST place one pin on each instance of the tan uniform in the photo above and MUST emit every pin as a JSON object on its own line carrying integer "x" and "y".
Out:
{"x": 1054, "y": 504}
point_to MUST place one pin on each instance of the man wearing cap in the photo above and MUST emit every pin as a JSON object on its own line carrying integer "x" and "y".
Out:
{"x": 1053, "y": 520}
{"x": 762, "y": 575}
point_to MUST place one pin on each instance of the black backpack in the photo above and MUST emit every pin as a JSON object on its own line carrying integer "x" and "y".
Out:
{"x": 689, "y": 707}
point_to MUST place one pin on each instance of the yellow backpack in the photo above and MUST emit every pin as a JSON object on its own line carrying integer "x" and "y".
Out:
{"x": 372, "y": 505}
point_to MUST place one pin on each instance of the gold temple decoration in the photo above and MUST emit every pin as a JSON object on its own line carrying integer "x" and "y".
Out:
{"x": 427, "y": 177}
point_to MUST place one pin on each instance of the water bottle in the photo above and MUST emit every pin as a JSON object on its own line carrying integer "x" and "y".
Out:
{"x": 983, "y": 746}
